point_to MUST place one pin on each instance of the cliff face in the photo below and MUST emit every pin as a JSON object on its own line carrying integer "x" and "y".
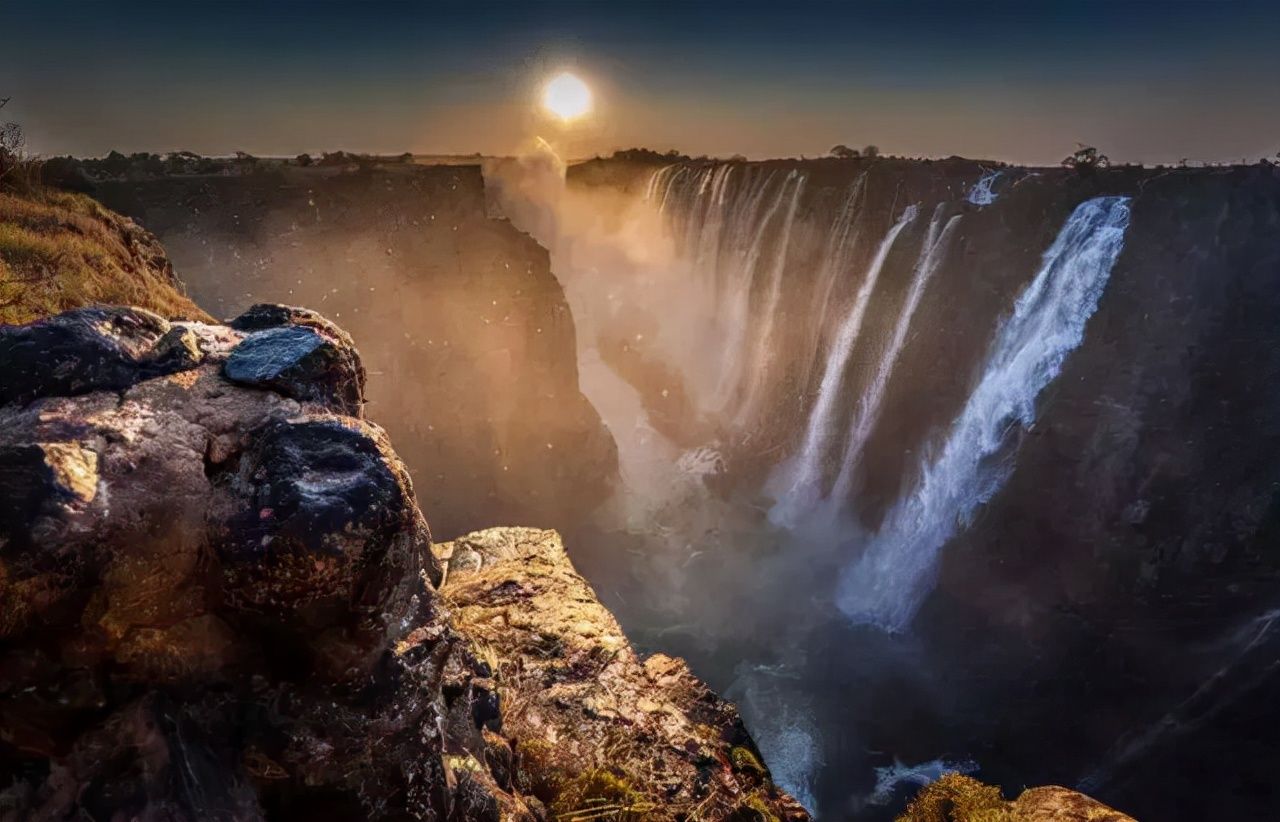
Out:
{"x": 220, "y": 603}
{"x": 1104, "y": 540}
{"x": 466, "y": 333}
{"x": 589, "y": 716}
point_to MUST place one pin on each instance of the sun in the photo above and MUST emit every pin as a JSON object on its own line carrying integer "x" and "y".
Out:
{"x": 567, "y": 97}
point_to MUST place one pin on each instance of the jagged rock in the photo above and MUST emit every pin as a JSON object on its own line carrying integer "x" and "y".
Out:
{"x": 591, "y": 720}
{"x": 219, "y": 603}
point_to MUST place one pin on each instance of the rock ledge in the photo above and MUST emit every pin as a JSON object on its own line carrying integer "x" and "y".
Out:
{"x": 219, "y": 602}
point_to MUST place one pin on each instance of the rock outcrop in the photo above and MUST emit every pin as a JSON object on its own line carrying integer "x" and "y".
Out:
{"x": 592, "y": 722}
{"x": 219, "y": 602}
{"x": 959, "y": 798}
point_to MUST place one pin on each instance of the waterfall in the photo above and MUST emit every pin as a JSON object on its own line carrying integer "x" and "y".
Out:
{"x": 886, "y": 585}
{"x": 713, "y": 223}
{"x": 868, "y": 411}
{"x": 837, "y": 259}
{"x": 757, "y": 363}
{"x": 981, "y": 194}
{"x": 732, "y": 229}
{"x": 803, "y": 477}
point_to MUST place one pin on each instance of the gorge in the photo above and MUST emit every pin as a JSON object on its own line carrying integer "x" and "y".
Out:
{"x": 927, "y": 465}
{"x": 952, "y": 459}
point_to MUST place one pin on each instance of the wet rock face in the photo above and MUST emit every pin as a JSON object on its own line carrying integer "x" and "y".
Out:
{"x": 217, "y": 594}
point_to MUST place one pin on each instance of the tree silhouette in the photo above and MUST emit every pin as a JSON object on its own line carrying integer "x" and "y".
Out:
{"x": 11, "y": 142}
{"x": 1086, "y": 159}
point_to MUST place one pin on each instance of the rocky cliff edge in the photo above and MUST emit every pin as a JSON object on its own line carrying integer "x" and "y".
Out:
{"x": 220, "y": 601}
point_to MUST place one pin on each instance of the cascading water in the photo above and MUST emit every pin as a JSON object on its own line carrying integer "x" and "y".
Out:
{"x": 758, "y": 360}
{"x": 868, "y": 410}
{"x": 801, "y": 481}
{"x": 972, "y": 325}
{"x": 886, "y": 584}
{"x": 982, "y": 193}
{"x": 837, "y": 262}
{"x": 733, "y": 231}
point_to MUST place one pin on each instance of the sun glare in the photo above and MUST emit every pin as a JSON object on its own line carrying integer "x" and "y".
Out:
{"x": 567, "y": 97}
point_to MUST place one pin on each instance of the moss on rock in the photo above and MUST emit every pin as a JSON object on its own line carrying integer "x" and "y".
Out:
{"x": 959, "y": 798}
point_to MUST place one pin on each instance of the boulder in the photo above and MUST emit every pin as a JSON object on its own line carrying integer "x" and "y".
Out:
{"x": 299, "y": 354}
{"x": 218, "y": 597}
{"x": 90, "y": 349}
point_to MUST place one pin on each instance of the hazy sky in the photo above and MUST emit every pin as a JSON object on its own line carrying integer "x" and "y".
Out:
{"x": 1024, "y": 81}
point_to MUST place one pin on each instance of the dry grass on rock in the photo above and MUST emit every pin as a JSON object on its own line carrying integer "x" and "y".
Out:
{"x": 60, "y": 250}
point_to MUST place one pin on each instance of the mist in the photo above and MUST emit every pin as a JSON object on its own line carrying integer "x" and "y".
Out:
{"x": 693, "y": 563}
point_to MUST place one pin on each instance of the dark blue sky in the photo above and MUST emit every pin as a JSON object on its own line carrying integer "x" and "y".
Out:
{"x": 1022, "y": 81}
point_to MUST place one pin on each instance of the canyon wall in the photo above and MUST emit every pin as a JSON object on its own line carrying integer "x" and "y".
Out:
{"x": 1011, "y": 433}
{"x": 466, "y": 333}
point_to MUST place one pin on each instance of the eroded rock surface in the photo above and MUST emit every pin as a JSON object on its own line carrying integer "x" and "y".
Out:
{"x": 592, "y": 722}
{"x": 219, "y": 602}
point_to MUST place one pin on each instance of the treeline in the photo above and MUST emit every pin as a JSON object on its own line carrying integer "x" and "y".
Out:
{"x": 76, "y": 172}
{"x": 648, "y": 155}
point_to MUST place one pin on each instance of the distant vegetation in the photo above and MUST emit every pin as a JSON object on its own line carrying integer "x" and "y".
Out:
{"x": 11, "y": 143}
{"x": 18, "y": 172}
{"x": 1086, "y": 159}
{"x": 647, "y": 155}
{"x": 844, "y": 152}
{"x": 78, "y": 174}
